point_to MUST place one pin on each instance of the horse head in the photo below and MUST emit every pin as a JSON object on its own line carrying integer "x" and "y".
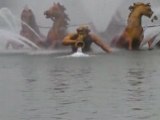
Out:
{"x": 27, "y": 15}
{"x": 56, "y": 11}
{"x": 141, "y": 9}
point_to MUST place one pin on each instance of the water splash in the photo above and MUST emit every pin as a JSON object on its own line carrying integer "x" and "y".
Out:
{"x": 40, "y": 38}
{"x": 149, "y": 33}
{"x": 79, "y": 53}
{"x": 8, "y": 21}
{"x": 9, "y": 32}
{"x": 152, "y": 32}
{"x": 7, "y": 36}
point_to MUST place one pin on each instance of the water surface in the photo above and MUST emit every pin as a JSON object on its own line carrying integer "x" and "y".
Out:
{"x": 119, "y": 86}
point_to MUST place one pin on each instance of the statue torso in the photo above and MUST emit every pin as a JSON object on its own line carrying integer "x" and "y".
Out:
{"x": 87, "y": 42}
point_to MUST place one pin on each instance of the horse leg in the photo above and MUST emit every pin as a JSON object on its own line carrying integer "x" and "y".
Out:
{"x": 129, "y": 40}
{"x": 47, "y": 43}
{"x": 150, "y": 43}
{"x": 53, "y": 44}
{"x": 114, "y": 41}
{"x": 7, "y": 45}
{"x": 50, "y": 44}
{"x": 130, "y": 45}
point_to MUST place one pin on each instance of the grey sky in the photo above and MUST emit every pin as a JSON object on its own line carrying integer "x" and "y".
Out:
{"x": 99, "y": 12}
{"x": 80, "y": 11}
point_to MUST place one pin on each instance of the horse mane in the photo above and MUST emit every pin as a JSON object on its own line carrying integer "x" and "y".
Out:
{"x": 61, "y": 6}
{"x": 63, "y": 14}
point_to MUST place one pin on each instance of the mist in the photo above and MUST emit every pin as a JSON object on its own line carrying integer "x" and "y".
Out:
{"x": 101, "y": 13}
{"x": 98, "y": 12}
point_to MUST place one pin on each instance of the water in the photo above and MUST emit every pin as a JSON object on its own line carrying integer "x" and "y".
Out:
{"x": 7, "y": 36}
{"x": 119, "y": 86}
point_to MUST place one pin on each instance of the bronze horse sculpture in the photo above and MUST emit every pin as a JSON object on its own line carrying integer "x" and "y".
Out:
{"x": 29, "y": 27}
{"x": 132, "y": 35}
{"x": 59, "y": 28}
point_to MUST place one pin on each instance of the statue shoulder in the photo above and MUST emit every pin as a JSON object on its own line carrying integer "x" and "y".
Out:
{"x": 73, "y": 35}
{"x": 93, "y": 36}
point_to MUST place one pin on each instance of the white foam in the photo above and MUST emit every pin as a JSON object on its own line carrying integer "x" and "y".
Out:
{"x": 77, "y": 54}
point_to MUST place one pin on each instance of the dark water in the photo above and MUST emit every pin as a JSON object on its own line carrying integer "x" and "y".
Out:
{"x": 119, "y": 86}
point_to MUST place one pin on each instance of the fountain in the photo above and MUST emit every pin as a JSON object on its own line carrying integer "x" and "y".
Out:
{"x": 10, "y": 40}
{"x": 86, "y": 15}
{"x": 152, "y": 31}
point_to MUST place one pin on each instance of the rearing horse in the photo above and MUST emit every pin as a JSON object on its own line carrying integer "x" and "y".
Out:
{"x": 29, "y": 27}
{"x": 133, "y": 32}
{"x": 59, "y": 28}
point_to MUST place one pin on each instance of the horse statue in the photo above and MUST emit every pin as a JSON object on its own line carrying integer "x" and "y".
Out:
{"x": 29, "y": 27}
{"x": 59, "y": 28}
{"x": 133, "y": 32}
